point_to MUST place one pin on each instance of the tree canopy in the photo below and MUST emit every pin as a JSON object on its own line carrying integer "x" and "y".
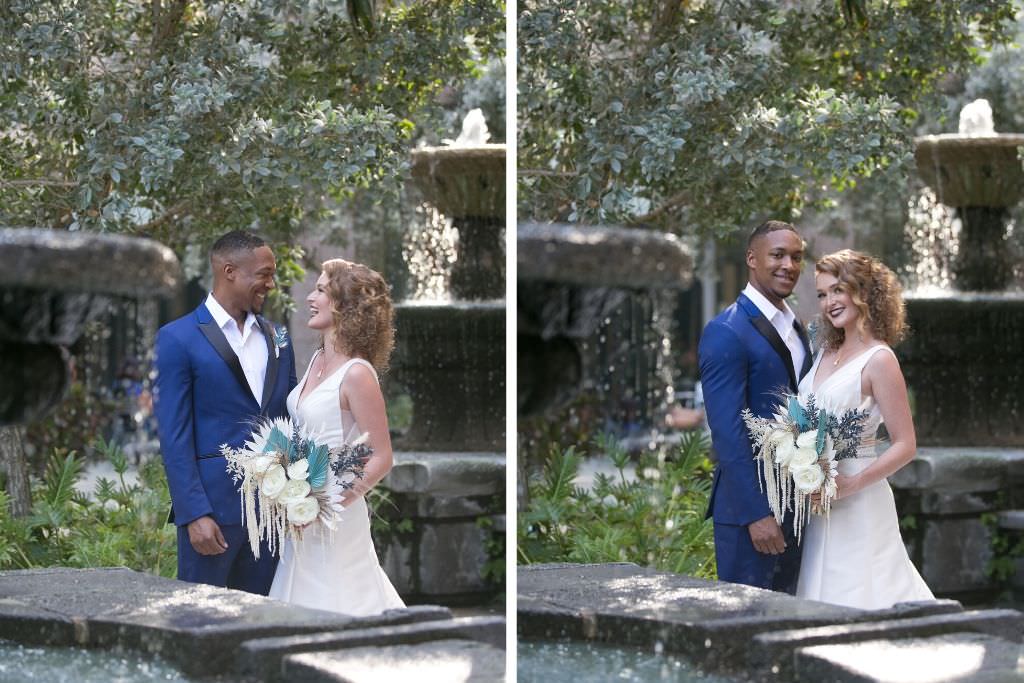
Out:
{"x": 701, "y": 115}
{"x": 182, "y": 119}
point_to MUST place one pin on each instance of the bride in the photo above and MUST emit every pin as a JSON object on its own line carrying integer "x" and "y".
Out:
{"x": 339, "y": 398}
{"x": 855, "y": 556}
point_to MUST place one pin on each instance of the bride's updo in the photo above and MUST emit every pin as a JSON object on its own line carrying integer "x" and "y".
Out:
{"x": 875, "y": 292}
{"x": 362, "y": 311}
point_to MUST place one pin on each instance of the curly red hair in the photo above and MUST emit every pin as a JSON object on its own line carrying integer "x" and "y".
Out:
{"x": 875, "y": 292}
{"x": 362, "y": 311}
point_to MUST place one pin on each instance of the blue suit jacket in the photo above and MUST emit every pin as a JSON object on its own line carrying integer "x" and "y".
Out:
{"x": 202, "y": 400}
{"x": 744, "y": 364}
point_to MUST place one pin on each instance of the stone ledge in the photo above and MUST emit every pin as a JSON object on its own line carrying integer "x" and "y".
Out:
{"x": 775, "y": 651}
{"x": 961, "y": 470}
{"x": 447, "y": 474}
{"x": 195, "y": 627}
{"x": 264, "y": 656}
{"x": 452, "y": 661}
{"x": 952, "y": 658}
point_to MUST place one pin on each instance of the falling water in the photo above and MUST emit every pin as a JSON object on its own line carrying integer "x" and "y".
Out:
{"x": 429, "y": 248}
{"x": 933, "y": 232}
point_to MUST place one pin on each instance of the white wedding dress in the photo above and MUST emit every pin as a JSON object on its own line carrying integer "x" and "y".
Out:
{"x": 856, "y": 556}
{"x": 339, "y": 570}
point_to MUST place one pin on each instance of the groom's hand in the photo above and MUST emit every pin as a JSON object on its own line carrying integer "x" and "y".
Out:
{"x": 766, "y": 535}
{"x": 205, "y": 536}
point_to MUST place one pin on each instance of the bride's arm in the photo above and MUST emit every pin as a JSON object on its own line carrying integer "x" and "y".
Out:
{"x": 883, "y": 379}
{"x": 366, "y": 402}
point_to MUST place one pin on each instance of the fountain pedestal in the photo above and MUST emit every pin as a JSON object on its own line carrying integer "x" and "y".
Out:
{"x": 449, "y": 474}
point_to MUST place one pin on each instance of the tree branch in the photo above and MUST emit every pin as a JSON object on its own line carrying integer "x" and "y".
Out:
{"x": 176, "y": 211}
{"x": 38, "y": 182}
{"x": 528, "y": 172}
{"x": 673, "y": 202}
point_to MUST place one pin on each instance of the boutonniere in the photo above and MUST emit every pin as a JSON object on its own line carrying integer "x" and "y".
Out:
{"x": 280, "y": 340}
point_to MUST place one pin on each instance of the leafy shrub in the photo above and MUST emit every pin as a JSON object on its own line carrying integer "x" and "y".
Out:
{"x": 655, "y": 519}
{"x": 120, "y": 525}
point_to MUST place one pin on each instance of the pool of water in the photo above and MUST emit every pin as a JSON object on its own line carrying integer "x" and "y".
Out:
{"x": 574, "y": 661}
{"x": 78, "y": 665}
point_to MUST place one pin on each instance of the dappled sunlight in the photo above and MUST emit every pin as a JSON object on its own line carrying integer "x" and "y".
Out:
{"x": 924, "y": 661}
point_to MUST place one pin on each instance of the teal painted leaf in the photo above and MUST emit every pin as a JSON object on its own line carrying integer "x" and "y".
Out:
{"x": 319, "y": 459}
{"x": 796, "y": 412}
{"x": 819, "y": 444}
{"x": 278, "y": 442}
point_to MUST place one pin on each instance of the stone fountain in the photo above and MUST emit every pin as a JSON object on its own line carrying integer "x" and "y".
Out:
{"x": 964, "y": 369}
{"x": 51, "y": 284}
{"x": 571, "y": 278}
{"x": 449, "y": 476}
{"x": 963, "y": 362}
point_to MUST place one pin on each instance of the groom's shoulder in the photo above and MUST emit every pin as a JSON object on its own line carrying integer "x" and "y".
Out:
{"x": 729, "y": 317}
{"x": 178, "y": 326}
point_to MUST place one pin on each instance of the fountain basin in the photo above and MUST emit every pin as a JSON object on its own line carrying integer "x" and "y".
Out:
{"x": 451, "y": 358}
{"x": 963, "y": 366}
{"x": 598, "y": 256}
{"x": 207, "y": 631}
{"x": 52, "y": 284}
{"x": 462, "y": 181}
{"x": 972, "y": 170}
{"x": 749, "y": 633}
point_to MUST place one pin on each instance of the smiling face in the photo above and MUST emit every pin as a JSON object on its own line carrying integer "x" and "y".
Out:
{"x": 835, "y": 301}
{"x": 320, "y": 309}
{"x": 774, "y": 260}
{"x": 253, "y": 278}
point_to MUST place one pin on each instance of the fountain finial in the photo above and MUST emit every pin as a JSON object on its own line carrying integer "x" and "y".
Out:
{"x": 976, "y": 118}
{"x": 474, "y": 130}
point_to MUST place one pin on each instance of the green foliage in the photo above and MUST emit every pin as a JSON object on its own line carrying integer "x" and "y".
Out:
{"x": 656, "y": 519}
{"x": 702, "y": 116}
{"x": 182, "y": 120}
{"x": 120, "y": 525}
{"x": 81, "y": 418}
{"x": 1007, "y": 549}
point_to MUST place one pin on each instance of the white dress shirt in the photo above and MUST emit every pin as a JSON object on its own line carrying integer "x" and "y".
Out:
{"x": 782, "y": 321}
{"x": 249, "y": 345}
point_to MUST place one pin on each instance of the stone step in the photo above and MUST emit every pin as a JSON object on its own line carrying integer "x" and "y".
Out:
{"x": 1011, "y": 519}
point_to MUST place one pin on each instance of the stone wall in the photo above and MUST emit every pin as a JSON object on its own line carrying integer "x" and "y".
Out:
{"x": 954, "y": 504}
{"x": 455, "y": 505}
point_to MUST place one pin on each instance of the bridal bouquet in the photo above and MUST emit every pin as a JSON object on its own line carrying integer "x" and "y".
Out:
{"x": 289, "y": 480}
{"x": 798, "y": 449}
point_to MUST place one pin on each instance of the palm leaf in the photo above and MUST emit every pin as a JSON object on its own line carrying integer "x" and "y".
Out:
{"x": 279, "y": 442}
{"x": 819, "y": 443}
{"x": 60, "y": 478}
{"x": 319, "y": 459}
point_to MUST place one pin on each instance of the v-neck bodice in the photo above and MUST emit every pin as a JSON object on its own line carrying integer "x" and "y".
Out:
{"x": 841, "y": 391}
{"x": 320, "y": 409}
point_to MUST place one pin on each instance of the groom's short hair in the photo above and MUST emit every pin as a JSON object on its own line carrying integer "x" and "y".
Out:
{"x": 770, "y": 226}
{"x": 235, "y": 241}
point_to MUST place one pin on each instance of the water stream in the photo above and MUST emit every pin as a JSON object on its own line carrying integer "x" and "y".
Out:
{"x": 79, "y": 665}
{"x": 570, "y": 661}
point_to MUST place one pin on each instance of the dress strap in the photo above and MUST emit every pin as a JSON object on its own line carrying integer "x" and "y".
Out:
{"x": 863, "y": 359}
{"x": 355, "y": 361}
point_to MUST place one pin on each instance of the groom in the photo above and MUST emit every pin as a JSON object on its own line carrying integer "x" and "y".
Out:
{"x": 220, "y": 369}
{"x": 748, "y": 355}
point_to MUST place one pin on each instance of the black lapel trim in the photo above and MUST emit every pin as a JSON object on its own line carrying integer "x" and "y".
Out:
{"x": 216, "y": 337}
{"x": 772, "y": 335}
{"x": 808, "y": 361}
{"x": 272, "y": 362}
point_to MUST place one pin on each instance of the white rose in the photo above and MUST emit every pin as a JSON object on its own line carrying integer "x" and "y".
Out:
{"x": 808, "y": 479}
{"x": 304, "y": 511}
{"x": 261, "y": 463}
{"x": 784, "y": 448}
{"x": 294, "y": 491}
{"x": 803, "y": 457}
{"x": 807, "y": 439}
{"x": 299, "y": 469}
{"x": 273, "y": 482}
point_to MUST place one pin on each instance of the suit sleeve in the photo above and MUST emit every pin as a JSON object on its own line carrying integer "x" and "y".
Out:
{"x": 724, "y": 380}
{"x": 292, "y": 380}
{"x": 176, "y": 428}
